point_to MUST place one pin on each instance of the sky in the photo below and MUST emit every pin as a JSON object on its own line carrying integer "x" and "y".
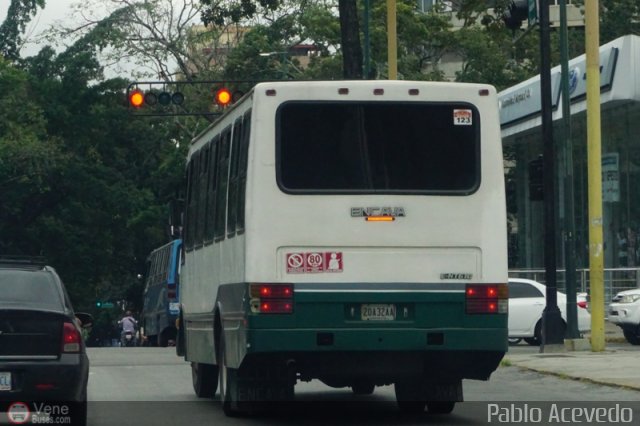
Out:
{"x": 55, "y": 10}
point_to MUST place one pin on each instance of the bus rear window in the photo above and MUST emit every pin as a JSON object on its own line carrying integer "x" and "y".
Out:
{"x": 378, "y": 147}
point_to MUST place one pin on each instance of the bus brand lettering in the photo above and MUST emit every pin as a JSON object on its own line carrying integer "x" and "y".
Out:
{"x": 453, "y": 276}
{"x": 377, "y": 211}
{"x": 314, "y": 262}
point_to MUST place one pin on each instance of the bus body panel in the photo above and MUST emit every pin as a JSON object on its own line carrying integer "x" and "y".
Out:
{"x": 420, "y": 262}
{"x": 159, "y": 311}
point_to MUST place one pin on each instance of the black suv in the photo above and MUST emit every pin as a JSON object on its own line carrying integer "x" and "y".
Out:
{"x": 42, "y": 353}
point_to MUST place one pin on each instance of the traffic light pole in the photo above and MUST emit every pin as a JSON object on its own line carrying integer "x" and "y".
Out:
{"x": 594, "y": 160}
{"x": 569, "y": 214}
{"x": 552, "y": 331}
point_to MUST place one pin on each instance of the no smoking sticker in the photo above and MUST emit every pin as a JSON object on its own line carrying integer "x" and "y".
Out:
{"x": 314, "y": 262}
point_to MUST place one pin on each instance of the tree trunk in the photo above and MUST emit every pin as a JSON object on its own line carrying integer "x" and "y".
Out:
{"x": 350, "y": 35}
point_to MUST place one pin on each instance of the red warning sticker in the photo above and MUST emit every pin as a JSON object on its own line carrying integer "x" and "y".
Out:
{"x": 314, "y": 262}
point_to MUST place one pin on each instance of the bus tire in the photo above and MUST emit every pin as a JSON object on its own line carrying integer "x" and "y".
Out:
{"x": 410, "y": 397}
{"x": 228, "y": 383}
{"x": 362, "y": 387}
{"x": 440, "y": 407}
{"x": 205, "y": 379}
{"x": 180, "y": 343}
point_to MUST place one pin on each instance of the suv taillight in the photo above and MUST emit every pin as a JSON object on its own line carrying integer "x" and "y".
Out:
{"x": 487, "y": 298}
{"x": 71, "y": 338}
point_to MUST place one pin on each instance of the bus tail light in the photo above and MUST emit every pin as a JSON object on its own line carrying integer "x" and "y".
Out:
{"x": 171, "y": 291}
{"x": 487, "y": 298}
{"x": 271, "y": 298}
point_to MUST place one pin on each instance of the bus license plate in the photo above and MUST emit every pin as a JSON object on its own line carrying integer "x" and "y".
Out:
{"x": 5, "y": 381}
{"x": 378, "y": 312}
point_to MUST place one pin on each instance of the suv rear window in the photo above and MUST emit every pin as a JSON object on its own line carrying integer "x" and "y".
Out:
{"x": 30, "y": 288}
{"x": 378, "y": 147}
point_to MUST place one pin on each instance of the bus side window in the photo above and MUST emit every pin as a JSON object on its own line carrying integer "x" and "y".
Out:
{"x": 202, "y": 195}
{"x": 242, "y": 169}
{"x": 147, "y": 275}
{"x": 188, "y": 238}
{"x": 223, "y": 183}
{"x": 212, "y": 183}
{"x": 232, "y": 206}
{"x": 192, "y": 191}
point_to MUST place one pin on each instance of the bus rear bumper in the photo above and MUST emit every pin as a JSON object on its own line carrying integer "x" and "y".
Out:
{"x": 374, "y": 339}
{"x": 387, "y": 355}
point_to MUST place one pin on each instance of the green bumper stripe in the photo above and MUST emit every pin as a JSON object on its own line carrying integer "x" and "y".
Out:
{"x": 397, "y": 339}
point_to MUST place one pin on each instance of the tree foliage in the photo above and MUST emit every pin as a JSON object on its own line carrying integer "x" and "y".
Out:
{"x": 18, "y": 16}
{"x": 619, "y": 18}
{"x": 83, "y": 183}
{"x": 87, "y": 185}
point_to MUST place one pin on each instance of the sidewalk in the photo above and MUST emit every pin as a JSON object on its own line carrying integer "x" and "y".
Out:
{"x": 613, "y": 367}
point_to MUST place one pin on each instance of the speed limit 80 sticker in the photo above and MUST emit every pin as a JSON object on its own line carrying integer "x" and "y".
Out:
{"x": 314, "y": 262}
{"x": 462, "y": 117}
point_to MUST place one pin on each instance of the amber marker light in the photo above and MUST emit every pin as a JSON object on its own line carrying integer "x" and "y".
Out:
{"x": 379, "y": 218}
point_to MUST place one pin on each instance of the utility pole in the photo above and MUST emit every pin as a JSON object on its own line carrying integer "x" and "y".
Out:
{"x": 552, "y": 324}
{"x": 594, "y": 160}
{"x": 569, "y": 214}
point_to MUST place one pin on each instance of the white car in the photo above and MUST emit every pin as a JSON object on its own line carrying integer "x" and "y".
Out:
{"x": 624, "y": 311}
{"x": 526, "y": 303}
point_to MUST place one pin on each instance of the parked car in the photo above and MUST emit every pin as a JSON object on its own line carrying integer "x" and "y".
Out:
{"x": 526, "y": 303}
{"x": 42, "y": 353}
{"x": 624, "y": 311}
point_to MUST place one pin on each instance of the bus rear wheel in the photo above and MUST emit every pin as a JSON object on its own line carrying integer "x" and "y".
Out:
{"x": 362, "y": 387}
{"x": 440, "y": 407}
{"x": 204, "y": 378}
{"x": 409, "y": 397}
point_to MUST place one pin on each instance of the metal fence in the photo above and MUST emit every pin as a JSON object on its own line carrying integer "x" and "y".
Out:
{"x": 615, "y": 280}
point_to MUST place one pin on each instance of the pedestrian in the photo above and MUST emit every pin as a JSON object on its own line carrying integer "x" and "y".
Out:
{"x": 127, "y": 324}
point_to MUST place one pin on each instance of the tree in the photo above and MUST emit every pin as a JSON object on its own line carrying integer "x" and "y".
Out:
{"x": 619, "y": 18}
{"x": 242, "y": 10}
{"x": 11, "y": 30}
{"x": 160, "y": 38}
{"x": 350, "y": 32}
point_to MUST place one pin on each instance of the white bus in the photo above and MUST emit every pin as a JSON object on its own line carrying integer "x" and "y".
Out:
{"x": 352, "y": 232}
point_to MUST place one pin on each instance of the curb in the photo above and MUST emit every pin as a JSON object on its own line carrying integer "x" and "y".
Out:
{"x": 575, "y": 378}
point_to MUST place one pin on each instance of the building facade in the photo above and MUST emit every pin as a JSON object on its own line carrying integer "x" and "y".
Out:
{"x": 520, "y": 117}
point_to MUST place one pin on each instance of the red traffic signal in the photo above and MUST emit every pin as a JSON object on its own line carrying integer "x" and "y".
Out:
{"x": 223, "y": 96}
{"x": 136, "y": 98}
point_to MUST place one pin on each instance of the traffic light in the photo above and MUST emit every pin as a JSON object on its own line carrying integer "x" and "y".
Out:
{"x": 536, "y": 180}
{"x": 139, "y": 99}
{"x": 210, "y": 97}
{"x": 223, "y": 96}
{"x": 516, "y": 12}
{"x": 136, "y": 98}
{"x": 98, "y": 304}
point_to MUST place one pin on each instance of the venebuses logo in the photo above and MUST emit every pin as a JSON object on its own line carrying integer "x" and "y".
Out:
{"x": 18, "y": 413}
